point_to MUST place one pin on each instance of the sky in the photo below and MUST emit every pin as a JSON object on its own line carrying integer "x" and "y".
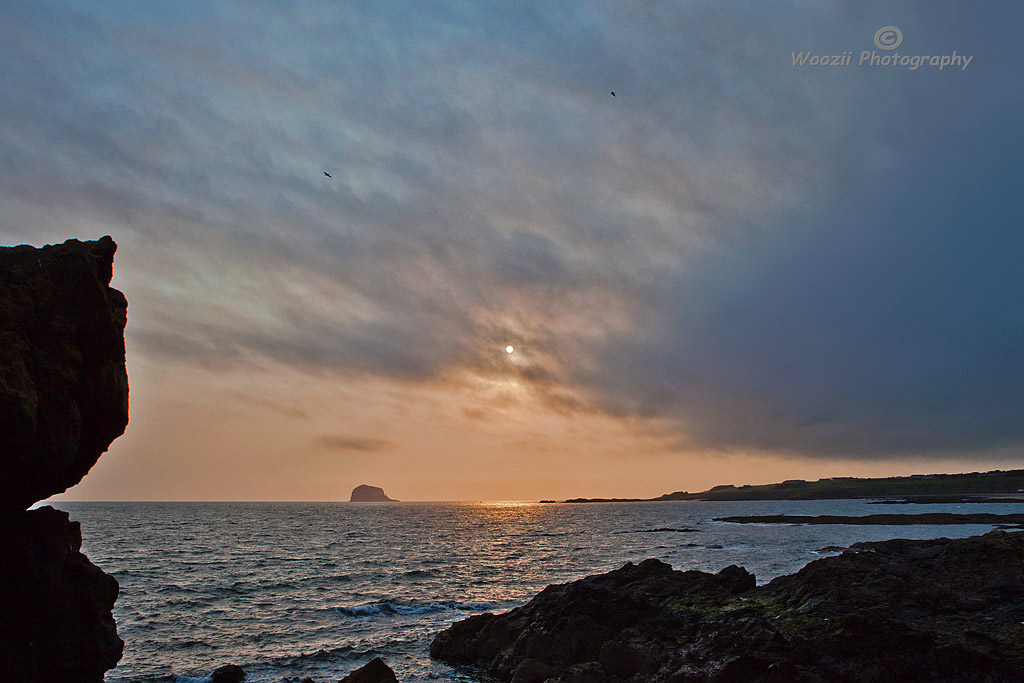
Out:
{"x": 737, "y": 269}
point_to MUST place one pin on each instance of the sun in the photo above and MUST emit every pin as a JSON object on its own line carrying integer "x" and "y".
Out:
{"x": 509, "y": 349}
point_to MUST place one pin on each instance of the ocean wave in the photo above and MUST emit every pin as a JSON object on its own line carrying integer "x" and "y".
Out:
{"x": 419, "y": 573}
{"x": 245, "y": 586}
{"x": 331, "y": 654}
{"x": 392, "y": 607}
{"x": 659, "y": 530}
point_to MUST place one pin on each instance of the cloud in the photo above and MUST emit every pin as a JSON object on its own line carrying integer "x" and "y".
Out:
{"x": 341, "y": 442}
{"x": 766, "y": 257}
{"x": 886, "y": 329}
{"x": 271, "y": 405}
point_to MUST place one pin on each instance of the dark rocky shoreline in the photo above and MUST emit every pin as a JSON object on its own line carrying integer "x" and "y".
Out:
{"x": 939, "y": 610}
{"x": 947, "y": 500}
{"x": 941, "y": 518}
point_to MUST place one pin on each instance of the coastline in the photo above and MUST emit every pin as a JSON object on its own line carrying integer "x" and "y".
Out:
{"x": 972, "y": 487}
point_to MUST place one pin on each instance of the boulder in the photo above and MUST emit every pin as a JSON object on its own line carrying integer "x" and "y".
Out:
{"x": 369, "y": 494}
{"x": 229, "y": 673}
{"x": 374, "y": 672}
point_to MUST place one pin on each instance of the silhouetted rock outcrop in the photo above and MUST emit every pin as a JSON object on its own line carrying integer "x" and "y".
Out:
{"x": 229, "y": 673}
{"x": 374, "y": 672}
{"x": 56, "y": 605}
{"x": 63, "y": 399}
{"x": 941, "y": 610}
{"x": 369, "y": 494}
{"x": 63, "y": 385}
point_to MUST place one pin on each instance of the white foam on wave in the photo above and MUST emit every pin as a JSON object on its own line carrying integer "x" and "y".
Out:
{"x": 390, "y": 607}
{"x": 364, "y": 610}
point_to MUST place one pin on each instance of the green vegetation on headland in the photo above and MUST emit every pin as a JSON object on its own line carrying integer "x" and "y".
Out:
{"x": 917, "y": 485}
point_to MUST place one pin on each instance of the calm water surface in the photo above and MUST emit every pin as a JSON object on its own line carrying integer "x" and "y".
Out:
{"x": 319, "y": 589}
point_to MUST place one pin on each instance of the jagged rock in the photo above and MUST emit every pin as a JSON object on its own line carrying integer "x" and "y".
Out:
{"x": 229, "y": 673}
{"x": 612, "y": 619}
{"x": 63, "y": 385}
{"x": 831, "y": 549}
{"x": 369, "y": 494}
{"x": 56, "y": 605}
{"x": 374, "y": 672}
{"x": 63, "y": 399}
{"x": 941, "y": 610}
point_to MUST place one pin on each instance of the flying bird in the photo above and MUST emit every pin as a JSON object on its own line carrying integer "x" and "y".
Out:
{"x": 327, "y": 174}
{"x": 613, "y": 93}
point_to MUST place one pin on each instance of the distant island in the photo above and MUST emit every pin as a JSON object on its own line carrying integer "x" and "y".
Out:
{"x": 917, "y": 488}
{"x": 369, "y": 494}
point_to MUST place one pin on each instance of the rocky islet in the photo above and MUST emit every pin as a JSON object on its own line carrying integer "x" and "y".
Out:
{"x": 369, "y": 494}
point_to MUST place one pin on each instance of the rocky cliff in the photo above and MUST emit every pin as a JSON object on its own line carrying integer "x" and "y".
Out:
{"x": 63, "y": 385}
{"x": 63, "y": 400}
{"x": 940, "y": 610}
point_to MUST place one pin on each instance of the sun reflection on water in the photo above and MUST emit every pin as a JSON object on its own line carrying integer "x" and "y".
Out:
{"x": 508, "y": 504}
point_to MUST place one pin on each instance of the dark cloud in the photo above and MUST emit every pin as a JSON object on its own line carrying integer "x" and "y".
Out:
{"x": 888, "y": 328}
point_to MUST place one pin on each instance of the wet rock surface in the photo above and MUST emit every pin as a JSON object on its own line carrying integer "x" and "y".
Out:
{"x": 940, "y": 610}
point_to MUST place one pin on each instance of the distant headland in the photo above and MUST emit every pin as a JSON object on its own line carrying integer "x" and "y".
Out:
{"x": 917, "y": 488}
{"x": 369, "y": 494}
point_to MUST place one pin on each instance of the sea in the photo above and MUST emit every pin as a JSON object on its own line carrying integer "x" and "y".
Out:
{"x": 319, "y": 589}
